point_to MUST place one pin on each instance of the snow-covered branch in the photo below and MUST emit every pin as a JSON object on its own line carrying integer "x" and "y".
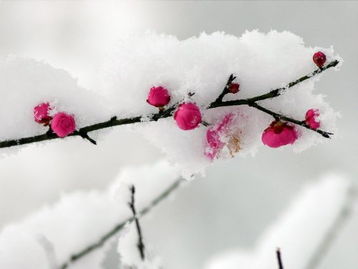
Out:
{"x": 117, "y": 228}
{"x": 165, "y": 113}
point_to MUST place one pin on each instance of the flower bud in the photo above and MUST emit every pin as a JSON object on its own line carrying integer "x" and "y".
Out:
{"x": 279, "y": 134}
{"x": 188, "y": 116}
{"x": 319, "y": 58}
{"x": 234, "y": 88}
{"x": 41, "y": 113}
{"x": 63, "y": 124}
{"x": 158, "y": 96}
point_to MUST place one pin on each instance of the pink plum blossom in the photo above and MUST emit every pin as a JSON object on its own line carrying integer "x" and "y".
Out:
{"x": 312, "y": 118}
{"x": 158, "y": 96}
{"x": 41, "y": 113}
{"x": 215, "y": 136}
{"x": 279, "y": 134}
{"x": 187, "y": 116}
{"x": 63, "y": 124}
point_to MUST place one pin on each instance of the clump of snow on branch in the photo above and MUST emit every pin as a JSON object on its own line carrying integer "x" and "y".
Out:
{"x": 298, "y": 232}
{"x": 80, "y": 219}
{"x": 202, "y": 65}
{"x": 192, "y": 70}
{"x": 27, "y": 83}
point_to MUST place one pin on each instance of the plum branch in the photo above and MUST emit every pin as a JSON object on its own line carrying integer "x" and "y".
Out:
{"x": 118, "y": 227}
{"x": 131, "y": 204}
{"x": 168, "y": 112}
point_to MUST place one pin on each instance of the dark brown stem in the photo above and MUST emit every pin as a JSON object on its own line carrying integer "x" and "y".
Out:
{"x": 140, "y": 243}
{"x": 279, "y": 259}
{"x": 86, "y": 136}
{"x": 278, "y": 116}
{"x": 225, "y": 90}
{"x": 169, "y": 111}
{"x": 275, "y": 92}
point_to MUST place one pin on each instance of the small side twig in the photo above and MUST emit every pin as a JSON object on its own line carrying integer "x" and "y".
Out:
{"x": 225, "y": 91}
{"x": 140, "y": 243}
{"x": 85, "y": 135}
{"x": 49, "y": 250}
{"x": 279, "y": 259}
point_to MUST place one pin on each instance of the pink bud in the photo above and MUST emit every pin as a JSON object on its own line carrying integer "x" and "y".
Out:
{"x": 279, "y": 134}
{"x": 319, "y": 58}
{"x": 234, "y": 88}
{"x": 41, "y": 113}
{"x": 63, "y": 124}
{"x": 158, "y": 96}
{"x": 188, "y": 116}
{"x": 311, "y": 118}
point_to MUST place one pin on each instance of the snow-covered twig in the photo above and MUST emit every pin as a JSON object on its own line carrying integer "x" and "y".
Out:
{"x": 131, "y": 204}
{"x": 104, "y": 238}
{"x": 114, "y": 121}
{"x": 279, "y": 259}
{"x": 334, "y": 230}
{"x": 49, "y": 250}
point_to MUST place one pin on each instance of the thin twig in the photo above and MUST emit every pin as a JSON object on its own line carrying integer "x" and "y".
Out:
{"x": 275, "y": 92}
{"x": 225, "y": 90}
{"x": 49, "y": 250}
{"x": 279, "y": 259}
{"x": 333, "y": 232}
{"x": 285, "y": 118}
{"x": 167, "y": 112}
{"x": 108, "y": 235}
{"x": 86, "y": 136}
{"x": 140, "y": 243}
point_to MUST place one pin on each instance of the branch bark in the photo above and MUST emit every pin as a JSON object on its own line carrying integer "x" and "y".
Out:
{"x": 83, "y": 132}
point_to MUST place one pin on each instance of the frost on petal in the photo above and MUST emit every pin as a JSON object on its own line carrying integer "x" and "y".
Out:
{"x": 312, "y": 118}
{"x": 41, "y": 113}
{"x": 222, "y": 135}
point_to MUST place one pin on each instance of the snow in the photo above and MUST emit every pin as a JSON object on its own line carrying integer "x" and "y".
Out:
{"x": 297, "y": 232}
{"x": 202, "y": 64}
{"x": 79, "y": 219}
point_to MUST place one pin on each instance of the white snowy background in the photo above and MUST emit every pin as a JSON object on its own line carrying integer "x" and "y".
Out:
{"x": 236, "y": 214}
